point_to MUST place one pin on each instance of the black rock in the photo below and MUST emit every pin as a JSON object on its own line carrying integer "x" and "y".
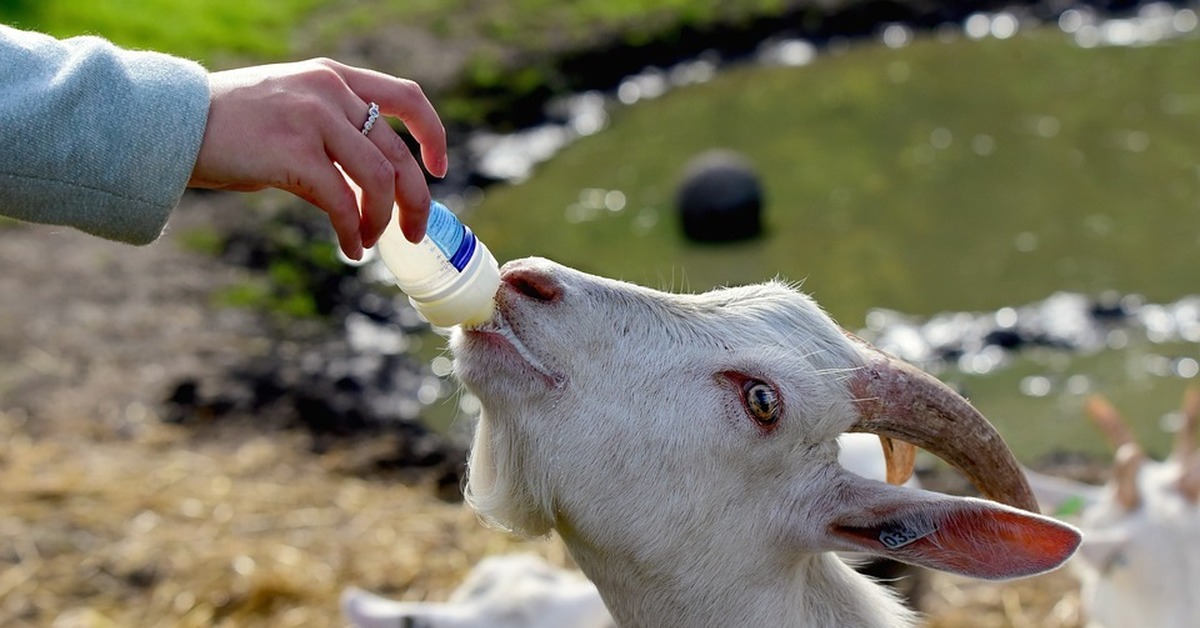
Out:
{"x": 720, "y": 198}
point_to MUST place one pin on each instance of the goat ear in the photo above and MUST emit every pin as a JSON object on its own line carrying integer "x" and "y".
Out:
{"x": 961, "y": 535}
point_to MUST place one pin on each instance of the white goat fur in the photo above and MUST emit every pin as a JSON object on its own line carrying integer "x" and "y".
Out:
{"x": 506, "y": 591}
{"x": 608, "y": 417}
{"x": 1139, "y": 564}
{"x": 523, "y": 591}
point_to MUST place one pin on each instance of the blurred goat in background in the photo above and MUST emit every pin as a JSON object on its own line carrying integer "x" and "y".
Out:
{"x": 1140, "y": 557}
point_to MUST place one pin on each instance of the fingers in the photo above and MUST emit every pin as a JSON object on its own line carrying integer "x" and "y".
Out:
{"x": 374, "y": 174}
{"x": 405, "y": 100}
{"x": 326, "y": 188}
{"x": 408, "y": 189}
{"x": 412, "y": 195}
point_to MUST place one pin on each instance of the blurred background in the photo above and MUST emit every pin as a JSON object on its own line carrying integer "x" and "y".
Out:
{"x": 229, "y": 426}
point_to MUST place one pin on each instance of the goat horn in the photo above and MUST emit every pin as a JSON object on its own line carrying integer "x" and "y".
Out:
{"x": 898, "y": 400}
{"x": 1106, "y": 417}
{"x": 1129, "y": 455}
{"x": 1189, "y": 480}
{"x": 900, "y": 457}
{"x": 1185, "y": 438}
{"x": 1129, "y": 460}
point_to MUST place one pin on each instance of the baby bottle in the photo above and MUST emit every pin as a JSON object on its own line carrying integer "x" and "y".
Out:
{"x": 450, "y": 277}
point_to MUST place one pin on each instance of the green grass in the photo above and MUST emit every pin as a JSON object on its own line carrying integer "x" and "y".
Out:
{"x": 209, "y": 31}
{"x": 267, "y": 29}
{"x": 530, "y": 23}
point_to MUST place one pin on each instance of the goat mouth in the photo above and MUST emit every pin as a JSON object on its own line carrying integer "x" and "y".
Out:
{"x": 499, "y": 327}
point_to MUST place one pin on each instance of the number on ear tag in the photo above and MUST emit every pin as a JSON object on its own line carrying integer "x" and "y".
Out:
{"x": 901, "y": 533}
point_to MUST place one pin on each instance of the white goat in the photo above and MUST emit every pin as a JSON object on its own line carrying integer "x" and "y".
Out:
{"x": 523, "y": 591}
{"x": 507, "y": 591}
{"x": 685, "y": 449}
{"x": 1140, "y": 557}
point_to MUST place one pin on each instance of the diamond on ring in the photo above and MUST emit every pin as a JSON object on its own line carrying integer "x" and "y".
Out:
{"x": 372, "y": 116}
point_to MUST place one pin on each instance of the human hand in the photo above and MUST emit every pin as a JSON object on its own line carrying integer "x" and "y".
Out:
{"x": 290, "y": 126}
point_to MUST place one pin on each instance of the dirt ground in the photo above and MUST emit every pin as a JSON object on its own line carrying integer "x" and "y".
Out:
{"x": 111, "y": 517}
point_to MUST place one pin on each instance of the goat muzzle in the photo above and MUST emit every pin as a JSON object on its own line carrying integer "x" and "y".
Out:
{"x": 899, "y": 401}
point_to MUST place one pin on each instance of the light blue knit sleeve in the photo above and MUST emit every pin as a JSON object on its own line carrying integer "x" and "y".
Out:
{"x": 96, "y": 137}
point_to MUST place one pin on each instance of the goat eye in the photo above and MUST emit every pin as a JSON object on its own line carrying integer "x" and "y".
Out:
{"x": 762, "y": 401}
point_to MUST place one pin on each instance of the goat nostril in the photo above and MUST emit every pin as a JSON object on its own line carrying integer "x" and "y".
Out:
{"x": 535, "y": 285}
